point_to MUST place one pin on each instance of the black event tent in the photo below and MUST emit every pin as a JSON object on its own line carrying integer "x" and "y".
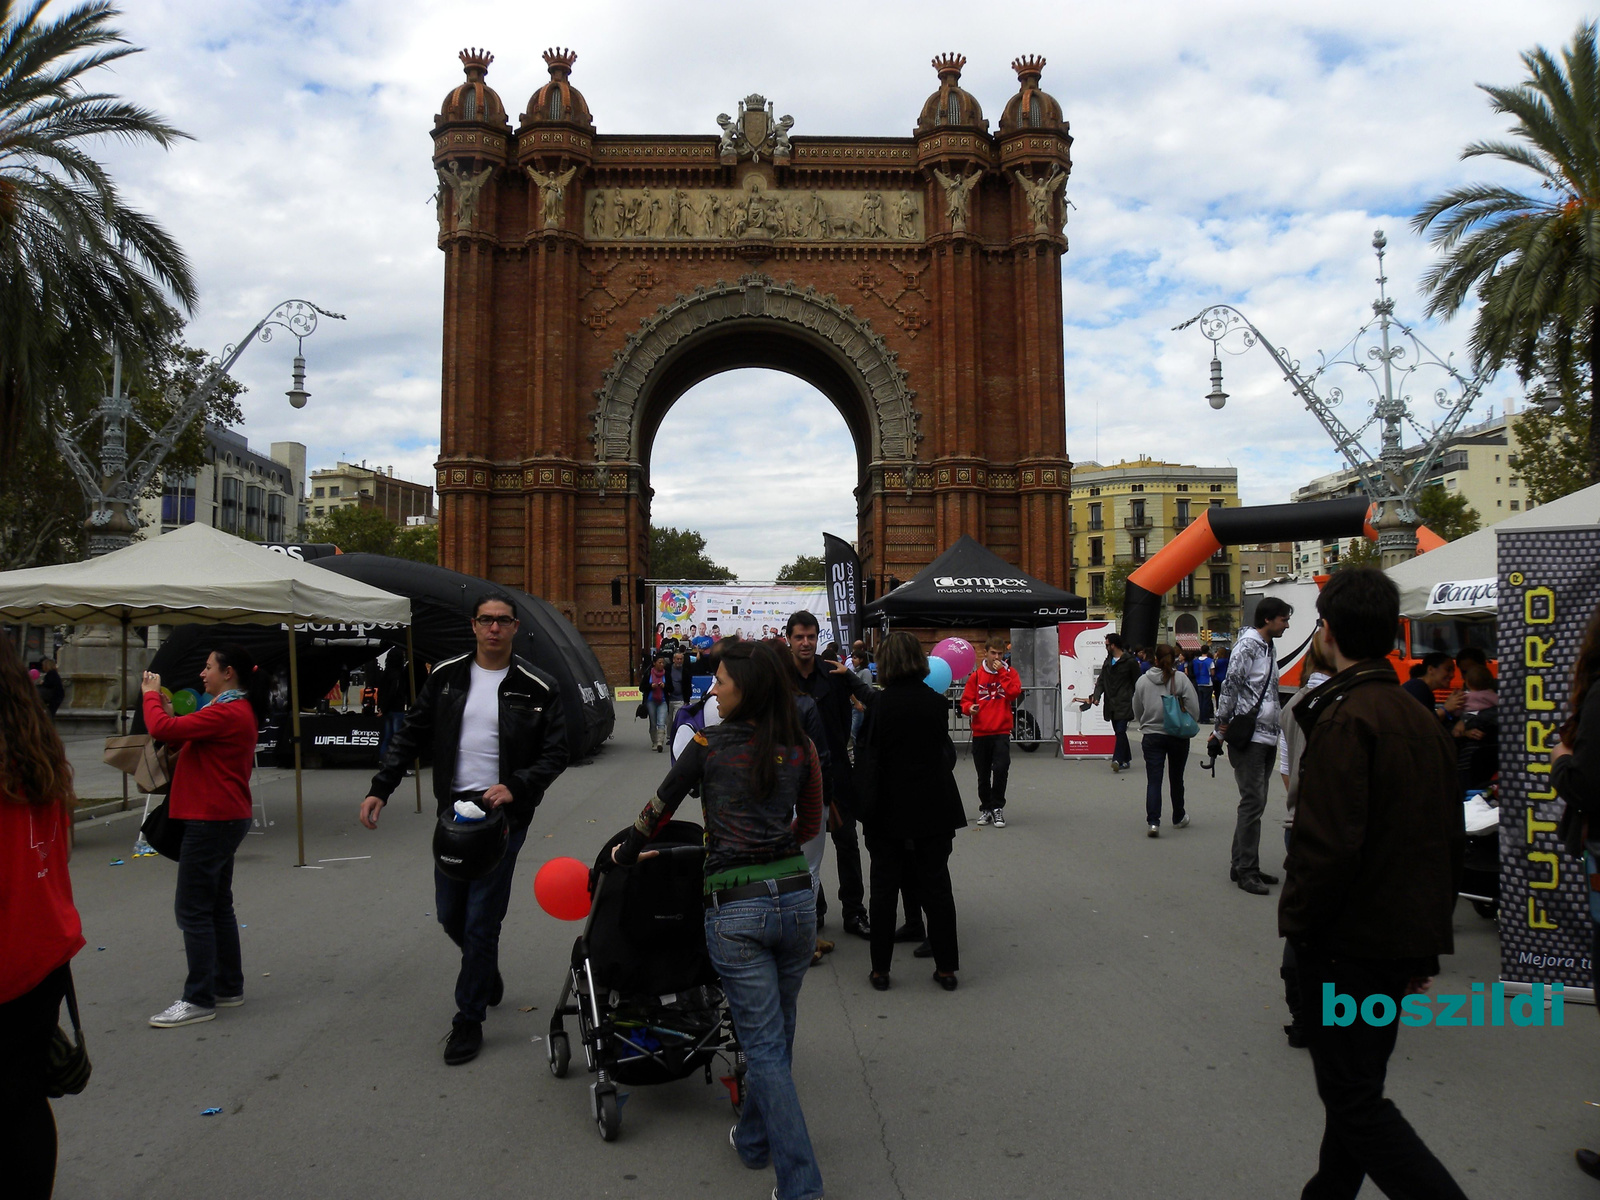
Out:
{"x": 968, "y": 586}
{"x": 441, "y": 603}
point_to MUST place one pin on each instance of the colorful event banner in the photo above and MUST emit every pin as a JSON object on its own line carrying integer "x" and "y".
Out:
{"x": 702, "y": 613}
{"x": 1085, "y": 733}
{"x": 844, "y": 587}
{"x": 1549, "y": 585}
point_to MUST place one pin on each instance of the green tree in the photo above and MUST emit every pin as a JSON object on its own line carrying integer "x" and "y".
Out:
{"x": 1446, "y": 515}
{"x": 1364, "y": 553}
{"x": 1553, "y": 449}
{"x": 1532, "y": 259}
{"x": 806, "y": 568}
{"x": 681, "y": 554}
{"x": 77, "y": 266}
{"x": 356, "y": 530}
{"x": 1117, "y": 584}
{"x": 419, "y": 543}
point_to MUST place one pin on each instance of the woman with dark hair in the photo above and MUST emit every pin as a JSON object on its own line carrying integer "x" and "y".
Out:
{"x": 916, "y": 809}
{"x": 655, "y": 702}
{"x": 211, "y": 795}
{"x": 1164, "y": 753}
{"x": 40, "y": 931}
{"x": 761, "y": 791}
{"x": 1575, "y": 775}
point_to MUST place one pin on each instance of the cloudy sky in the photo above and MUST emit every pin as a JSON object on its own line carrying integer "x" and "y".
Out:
{"x": 1234, "y": 151}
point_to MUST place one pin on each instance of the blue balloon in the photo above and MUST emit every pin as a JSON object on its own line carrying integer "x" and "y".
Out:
{"x": 938, "y": 676}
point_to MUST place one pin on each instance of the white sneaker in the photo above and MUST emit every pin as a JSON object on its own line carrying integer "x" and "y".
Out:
{"x": 182, "y": 1013}
{"x": 999, "y": 818}
{"x": 230, "y": 1001}
{"x": 985, "y": 817}
{"x": 1155, "y": 830}
{"x": 1182, "y": 822}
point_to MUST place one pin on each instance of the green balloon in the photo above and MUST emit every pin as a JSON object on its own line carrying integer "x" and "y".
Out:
{"x": 185, "y": 701}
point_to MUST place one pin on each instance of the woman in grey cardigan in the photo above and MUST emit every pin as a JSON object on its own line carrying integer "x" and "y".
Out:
{"x": 1162, "y": 750}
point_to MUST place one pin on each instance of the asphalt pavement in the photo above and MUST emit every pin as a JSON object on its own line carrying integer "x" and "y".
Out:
{"x": 1117, "y": 1031}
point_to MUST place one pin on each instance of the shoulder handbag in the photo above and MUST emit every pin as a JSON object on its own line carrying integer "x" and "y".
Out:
{"x": 149, "y": 762}
{"x": 1242, "y": 726}
{"x": 67, "y": 1064}
{"x": 1175, "y": 719}
{"x": 163, "y": 831}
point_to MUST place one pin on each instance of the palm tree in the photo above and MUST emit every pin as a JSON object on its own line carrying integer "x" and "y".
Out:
{"x": 77, "y": 266}
{"x": 1533, "y": 261}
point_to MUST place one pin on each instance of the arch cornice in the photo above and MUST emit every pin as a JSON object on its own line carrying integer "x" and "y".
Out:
{"x": 618, "y": 414}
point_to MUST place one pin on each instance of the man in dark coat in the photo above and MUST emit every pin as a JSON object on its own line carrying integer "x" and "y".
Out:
{"x": 1118, "y": 674}
{"x": 1374, "y": 864}
{"x": 831, "y": 685}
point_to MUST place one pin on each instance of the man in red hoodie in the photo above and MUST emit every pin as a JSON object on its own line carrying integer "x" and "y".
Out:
{"x": 987, "y": 699}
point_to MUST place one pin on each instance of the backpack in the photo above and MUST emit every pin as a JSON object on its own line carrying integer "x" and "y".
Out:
{"x": 690, "y": 716}
{"x": 1175, "y": 721}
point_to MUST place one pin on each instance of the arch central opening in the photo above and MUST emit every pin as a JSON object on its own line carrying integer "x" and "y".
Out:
{"x": 758, "y": 460}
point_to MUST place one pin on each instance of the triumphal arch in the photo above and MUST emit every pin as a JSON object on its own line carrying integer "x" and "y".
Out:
{"x": 592, "y": 278}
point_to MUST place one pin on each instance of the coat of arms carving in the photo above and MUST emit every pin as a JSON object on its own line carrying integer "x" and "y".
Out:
{"x": 754, "y": 132}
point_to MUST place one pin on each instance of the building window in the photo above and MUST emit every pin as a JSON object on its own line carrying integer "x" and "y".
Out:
{"x": 1516, "y": 505}
{"x": 1216, "y": 504}
{"x": 1136, "y": 512}
{"x": 317, "y": 511}
{"x": 1138, "y": 487}
{"x": 255, "y": 512}
{"x": 1516, "y": 481}
{"x": 1097, "y": 589}
{"x": 1097, "y": 552}
{"x": 1450, "y": 483}
{"x": 177, "y": 500}
{"x": 1138, "y": 545}
{"x": 1186, "y": 588}
{"x": 333, "y": 489}
{"x": 1094, "y": 491}
{"x": 1216, "y": 487}
{"x": 1219, "y": 586}
{"x": 1096, "y": 517}
{"x": 1183, "y": 513}
{"x": 1261, "y": 568}
{"x": 319, "y": 493}
{"x": 1183, "y": 487}
{"x": 275, "y": 528}
{"x": 230, "y": 505}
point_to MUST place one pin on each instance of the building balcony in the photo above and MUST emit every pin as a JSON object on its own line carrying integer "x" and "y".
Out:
{"x": 1096, "y": 526}
{"x": 1136, "y": 523}
{"x": 1182, "y": 522}
{"x": 1221, "y": 599}
{"x": 1221, "y": 556}
{"x": 1130, "y": 559}
{"x": 1181, "y": 601}
{"x": 1098, "y": 560}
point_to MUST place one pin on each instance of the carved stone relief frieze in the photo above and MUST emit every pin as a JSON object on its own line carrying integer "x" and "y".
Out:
{"x": 753, "y": 211}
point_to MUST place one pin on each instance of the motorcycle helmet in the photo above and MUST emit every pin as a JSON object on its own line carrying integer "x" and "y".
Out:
{"x": 470, "y": 850}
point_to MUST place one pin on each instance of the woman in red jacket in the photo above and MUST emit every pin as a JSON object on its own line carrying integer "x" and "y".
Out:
{"x": 39, "y": 926}
{"x": 211, "y": 795}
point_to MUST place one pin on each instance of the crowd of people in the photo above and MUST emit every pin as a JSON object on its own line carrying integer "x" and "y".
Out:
{"x": 809, "y": 746}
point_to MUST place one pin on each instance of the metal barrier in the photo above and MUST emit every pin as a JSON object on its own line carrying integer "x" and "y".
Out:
{"x": 1037, "y": 723}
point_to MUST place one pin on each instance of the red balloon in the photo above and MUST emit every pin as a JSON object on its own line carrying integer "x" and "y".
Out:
{"x": 562, "y": 889}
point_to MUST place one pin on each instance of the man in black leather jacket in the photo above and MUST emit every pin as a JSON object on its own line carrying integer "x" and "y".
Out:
{"x": 498, "y": 735}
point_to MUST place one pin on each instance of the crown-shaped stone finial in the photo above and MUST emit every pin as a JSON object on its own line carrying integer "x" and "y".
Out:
{"x": 560, "y": 61}
{"x": 1028, "y": 66}
{"x": 476, "y": 63}
{"x": 950, "y": 65}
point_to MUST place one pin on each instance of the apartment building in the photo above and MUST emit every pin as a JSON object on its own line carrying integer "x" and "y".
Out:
{"x": 1266, "y": 561}
{"x": 356, "y": 484}
{"x": 1123, "y": 514}
{"x": 237, "y": 490}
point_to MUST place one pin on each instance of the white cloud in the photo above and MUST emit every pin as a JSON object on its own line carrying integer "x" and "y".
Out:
{"x": 1239, "y": 151}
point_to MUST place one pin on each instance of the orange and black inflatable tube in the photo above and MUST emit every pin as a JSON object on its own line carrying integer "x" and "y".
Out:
{"x": 1219, "y": 527}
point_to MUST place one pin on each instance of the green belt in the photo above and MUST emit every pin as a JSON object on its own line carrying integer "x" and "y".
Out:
{"x": 739, "y": 876}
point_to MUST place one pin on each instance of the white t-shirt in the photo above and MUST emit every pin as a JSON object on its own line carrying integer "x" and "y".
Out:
{"x": 478, "y": 754}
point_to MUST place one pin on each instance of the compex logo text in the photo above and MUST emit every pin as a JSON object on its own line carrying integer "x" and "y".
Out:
{"x": 986, "y": 581}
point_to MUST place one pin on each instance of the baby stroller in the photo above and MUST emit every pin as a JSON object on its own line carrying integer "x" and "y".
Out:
{"x": 649, "y": 1004}
{"x": 1480, "y": 873}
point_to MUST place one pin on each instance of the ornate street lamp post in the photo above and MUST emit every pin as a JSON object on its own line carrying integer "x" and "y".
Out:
{"x": 1390, "y": 477}
{"x": 113, "y": 491}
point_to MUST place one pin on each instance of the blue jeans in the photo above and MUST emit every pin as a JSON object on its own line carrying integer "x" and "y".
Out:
{"x": 658, "y": 713}
{"x": 471, "y": 914}
{"x": 392, "y": 721}
{"x": 1163, "y": 752}
{"x": 204, "y": 908}
{"x": 1121, "y": 752}
{"x": 762, "y": 949}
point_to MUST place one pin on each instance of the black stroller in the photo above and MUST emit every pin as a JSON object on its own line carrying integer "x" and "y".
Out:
{"x": 649, "y": 1004}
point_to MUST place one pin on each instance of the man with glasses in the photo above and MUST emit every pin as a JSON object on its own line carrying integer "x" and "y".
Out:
{"x": 498, "y": 735}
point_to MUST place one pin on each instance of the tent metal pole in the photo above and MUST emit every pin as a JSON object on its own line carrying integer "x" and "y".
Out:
{"x": 294, "y": 726}
{"x": 411, "y": 675}
{"x": 122, "y": 704}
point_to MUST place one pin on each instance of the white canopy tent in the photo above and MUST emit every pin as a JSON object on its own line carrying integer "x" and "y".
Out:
{"x": 1456, "y": 579}
{"x": 197, "y": 575}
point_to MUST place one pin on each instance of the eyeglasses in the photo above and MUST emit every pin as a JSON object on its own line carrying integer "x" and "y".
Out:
{"x": 488, "y": 622}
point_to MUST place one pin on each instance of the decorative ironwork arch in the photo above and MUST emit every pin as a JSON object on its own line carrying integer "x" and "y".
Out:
{"x": 619, "y": 414}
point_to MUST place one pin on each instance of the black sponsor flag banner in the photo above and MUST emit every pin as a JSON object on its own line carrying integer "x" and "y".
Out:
{"x": 1549, "y": 587}
{"x": 844, "y": 589}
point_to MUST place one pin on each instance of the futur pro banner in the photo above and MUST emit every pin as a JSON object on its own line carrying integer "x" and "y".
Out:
{"x": 1549, "y": 585}
{"x": 844, "y": 582}
{"x": 756, "y": 611}
{"x": 1085, "y": 733}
